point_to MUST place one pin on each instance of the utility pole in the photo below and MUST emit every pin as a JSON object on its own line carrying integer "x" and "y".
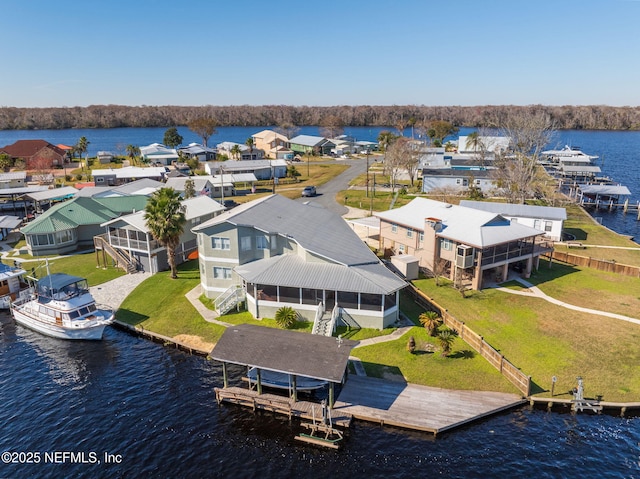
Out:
{"x": 367, "y": 153}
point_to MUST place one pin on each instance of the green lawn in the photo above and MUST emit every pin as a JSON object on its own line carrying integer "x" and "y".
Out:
{"x": 546, "y": 340}
{"x": 159, "y": 305}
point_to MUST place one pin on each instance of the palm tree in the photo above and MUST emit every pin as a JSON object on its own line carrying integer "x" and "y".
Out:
{"x": 165, "y": 218}
{"x": 250, "y": 144}
{"x": 431, "y": 321}
{"x": 81, "y": 146}
{"x": 385, "y": 138}
{"x": 446, "y": 337}
{"x": 235, "y": 151}
{"x": 132, "y": 151}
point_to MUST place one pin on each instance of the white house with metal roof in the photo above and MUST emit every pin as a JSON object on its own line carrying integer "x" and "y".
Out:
{"x": 129, "y": 236}
{"x": 278, "y": 252}
{"x": 545, "y": 218}
{"x": 462, "y": 243}
{"x": 158, "y": 153}
{"x": 13, "y": 179}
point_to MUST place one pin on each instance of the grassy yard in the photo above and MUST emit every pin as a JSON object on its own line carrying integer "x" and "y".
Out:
{"x": 546, "y": 340}
{"x": 159, "y": 305}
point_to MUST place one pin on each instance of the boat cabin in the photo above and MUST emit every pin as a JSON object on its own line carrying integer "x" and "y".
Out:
{"x": 61, "y": 287}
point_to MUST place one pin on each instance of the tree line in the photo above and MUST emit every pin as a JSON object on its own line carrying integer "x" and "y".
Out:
{"x": 594, "y": 117}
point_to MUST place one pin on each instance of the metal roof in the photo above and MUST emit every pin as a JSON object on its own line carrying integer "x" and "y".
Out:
{"x": 309, "y": 140}
{"x": 291, "y": 352}
{"x": 522, "y": 211}
{"x": 83, "y": 211}
{"x": 53, "y": 194}
{"x": 464, "y": 225}
{"x": 194, "y": 208}
{"x": 9, "y": 222}
{"x": 22, "y": 190}
{"x": 604, "y": 190}
{"x": 291, "y": 270}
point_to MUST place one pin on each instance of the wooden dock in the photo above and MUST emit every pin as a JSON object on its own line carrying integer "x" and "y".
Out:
{"x": 279, "y": 404}
{"x": 390, "y": 403}
{"x": 423, "y": 408}
{"x": 552, "y": 403}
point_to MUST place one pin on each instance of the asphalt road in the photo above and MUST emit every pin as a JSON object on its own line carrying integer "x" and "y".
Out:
{"x": 327, "y": 193}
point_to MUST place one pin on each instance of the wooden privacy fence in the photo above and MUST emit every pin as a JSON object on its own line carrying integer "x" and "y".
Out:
{"x": 600, "y": 264}
{"x": 516, "y": 377}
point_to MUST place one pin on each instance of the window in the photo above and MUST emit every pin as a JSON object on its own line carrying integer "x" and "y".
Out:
{"x": 394, "y": 228}
{"x": 548, "y": 225}
{"x": 401, "y": 248}
{"x": 274, "y": 242}
{"x": 196, "y": 221}
{"x": 262, "y": 242}
{"x": 64, "y": 236}
{"x": 446, "y": 244}
{"x": 221, "y": 273}
{"x": 421, "y": 236}
{"x": 477, "y": 182}
{"x": 409, "y": 233}
{"x": 220, "y": 243}
{"x": 536, "y": 224}
{"x": 99, "y": 179}
{"x": 245, "y": 243}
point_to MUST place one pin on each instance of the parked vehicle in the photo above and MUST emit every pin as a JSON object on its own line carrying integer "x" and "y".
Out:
{"x": 309, "y": 191}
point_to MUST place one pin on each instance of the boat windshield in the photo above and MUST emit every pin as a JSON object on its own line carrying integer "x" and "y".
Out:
{"x": 63, "y": 291}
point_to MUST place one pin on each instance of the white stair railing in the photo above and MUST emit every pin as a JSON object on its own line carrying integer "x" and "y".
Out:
{"x": 228, "y": 299}
{"x": 318, "y": 318}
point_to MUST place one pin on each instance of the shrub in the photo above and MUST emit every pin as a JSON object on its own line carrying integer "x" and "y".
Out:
{"x": 286, "y": 317}
{"x": 411, "y": 345}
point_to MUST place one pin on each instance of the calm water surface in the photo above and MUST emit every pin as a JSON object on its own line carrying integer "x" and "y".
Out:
{"x": 154, "y": 409}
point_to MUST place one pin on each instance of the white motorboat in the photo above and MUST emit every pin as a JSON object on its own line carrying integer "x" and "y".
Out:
{"x": 277, "y": 380}
{"x": 62, "y": 307}
{"x": 11, "y": 283}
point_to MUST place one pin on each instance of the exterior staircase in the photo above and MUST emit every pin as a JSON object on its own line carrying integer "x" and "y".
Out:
{"x": 229, "y": 299}
{"x": 128, "y": 264}
{"x": 324, "y": 324}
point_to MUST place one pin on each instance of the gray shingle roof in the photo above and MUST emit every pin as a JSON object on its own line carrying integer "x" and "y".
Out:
{"x": 316, "y": 229}
{"x": 309, "y": 355}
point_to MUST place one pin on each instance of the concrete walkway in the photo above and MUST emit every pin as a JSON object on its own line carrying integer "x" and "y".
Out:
{"x": 536, "y": 292}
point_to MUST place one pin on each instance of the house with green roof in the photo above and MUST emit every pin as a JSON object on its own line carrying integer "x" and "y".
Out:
{"x": 72, "y": 224}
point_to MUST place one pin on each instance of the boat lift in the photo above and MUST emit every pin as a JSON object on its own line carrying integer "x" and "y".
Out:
{"x": 322, "y": 433}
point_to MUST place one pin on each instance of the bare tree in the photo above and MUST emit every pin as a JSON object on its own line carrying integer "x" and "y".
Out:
{"x": 396, "y": 159}
{"x": 517, "y": 170}
{"x": 287, "y": 129}
{"x": 332, "y": 127}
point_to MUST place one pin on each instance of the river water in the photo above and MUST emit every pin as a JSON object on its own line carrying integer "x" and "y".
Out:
{"x": 619, "y": 152}
{"x": 127, "y": 407}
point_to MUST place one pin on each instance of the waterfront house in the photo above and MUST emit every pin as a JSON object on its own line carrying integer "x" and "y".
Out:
{"x": 244, "y": 152}
{"x": 545, "y": 218}
{"x": 202, "y": 185}
{"x": 36, "y": 153}
{"x": 158, "y": 154}
{"x": 470, "y": 246}
{"x": 120, "y": 176}
{"x": 273, "y": 144}
{"x": 279, "y": 252}
{"x": 104, "y": 157}
{"x": 72, "y": 224}
{"x": 457, "y": 179}
{"x": 130, "y": 237}
{"x": 309, "y": 144}
{"x": 195, "y": 150}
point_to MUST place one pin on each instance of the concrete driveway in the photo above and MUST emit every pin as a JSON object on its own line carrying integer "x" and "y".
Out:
{"x": 327, "y": 193}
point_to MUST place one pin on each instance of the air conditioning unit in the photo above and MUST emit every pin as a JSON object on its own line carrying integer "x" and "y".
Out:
{"x": 465, "y": 256}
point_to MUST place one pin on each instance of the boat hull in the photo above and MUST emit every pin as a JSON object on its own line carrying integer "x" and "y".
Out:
{"x": 91, "y": 332}
{"x": 282, "y": 381}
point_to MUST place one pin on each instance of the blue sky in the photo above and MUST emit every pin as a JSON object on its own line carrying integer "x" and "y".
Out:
{"x": 334, "y": 52}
